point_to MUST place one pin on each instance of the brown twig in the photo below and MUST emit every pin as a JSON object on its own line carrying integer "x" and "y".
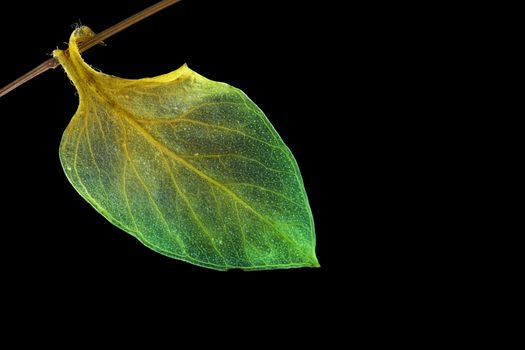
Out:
{"x": 53, "y": 63}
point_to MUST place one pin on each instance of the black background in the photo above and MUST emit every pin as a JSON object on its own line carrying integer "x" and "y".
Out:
{"x": 283, "y": 58}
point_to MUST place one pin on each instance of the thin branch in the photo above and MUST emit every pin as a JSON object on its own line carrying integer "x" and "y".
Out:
{"x": 50, "y": 63}
{"x": 86, "y": 45}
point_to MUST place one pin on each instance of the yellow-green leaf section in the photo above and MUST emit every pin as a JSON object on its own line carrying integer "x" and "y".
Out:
{"x": 190, "y": 167}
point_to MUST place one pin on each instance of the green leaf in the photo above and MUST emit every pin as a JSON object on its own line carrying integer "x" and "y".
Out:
{"x": 190, "y": 167}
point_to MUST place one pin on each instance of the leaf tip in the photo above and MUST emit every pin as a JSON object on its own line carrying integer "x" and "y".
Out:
{"x": 310, "y": 260}
{"x": 315, "y": 262}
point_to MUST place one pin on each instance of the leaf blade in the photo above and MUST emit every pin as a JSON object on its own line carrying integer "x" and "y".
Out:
{"x": 192, "y": 168}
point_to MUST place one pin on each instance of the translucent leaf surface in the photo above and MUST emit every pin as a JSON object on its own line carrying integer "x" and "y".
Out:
{"x": 190, "y": 167}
